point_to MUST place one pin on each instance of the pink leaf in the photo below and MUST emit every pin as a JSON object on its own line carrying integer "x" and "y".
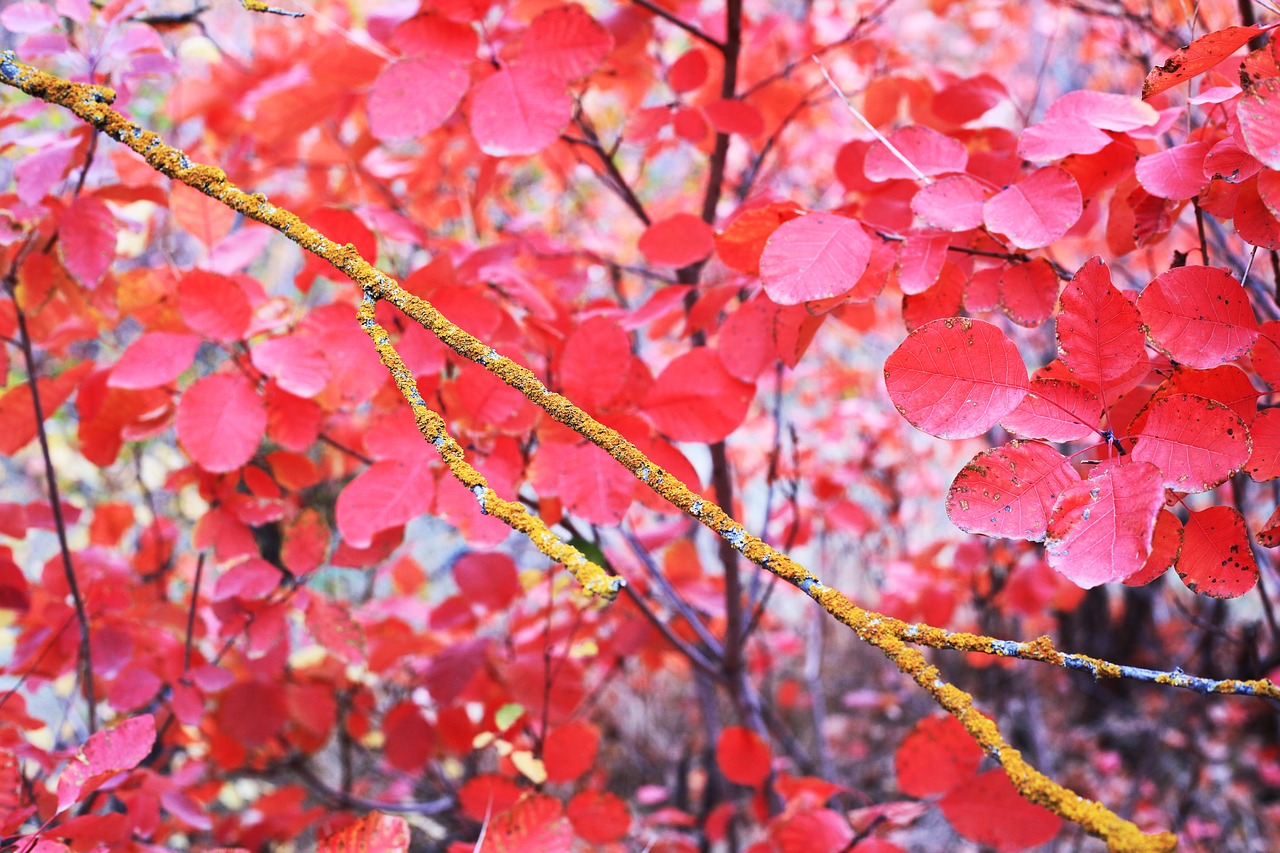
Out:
{"x": 931, "y": 152}
{"x": 213, "y": 305}
{"x": 1037, "y": 210}
{"x": 1055, "y": 410}
{"x": 816, "y": 256}
{"x": 1199, "y": 316}
{"x": 154, "y": 359}
{"x": 220, "y": 421}
{"x": 953, "y": 203}
{"x": 989, "y": 810}
{"x": 519, "y": 111}
{"x": 696, "y": 399}
{"x": 591, "y": 485}
{"x": 1196, "y": 58}
{"x": 1099, "y": 333}
{"x": 1259, "y": 115}
{"x": 565, "y": 41}
{"x": 678, "y": 241}
{"x": 1216, "y": 559}
{"x": 920, "y": 260}
{"x": 106, "y": 752}
{"x": 1028, "y": 292}
{"x": 1264, "y": 460}
{"x": 1196, "y": 443}
{"x": 413, "y": 97}
{"x": 1100, "y": 530}
{"x": 436, "y": 36}
{"x": 488, "y": 579}
{"x": 1230, "y": 162}
{"x": 251, "y": 579}
{"x": 1103, "y": 110}
{"x": 87, "y": 239}
{"x": 294, "y": 362}
{"x": 1054, "y": 139}
{"x": 956, "y": 378}
{"x": 36, "y": 173}
{"x": 1009, "y": 491}
{"x": 386, "y": 494}
{"x": 1176, "y": 172}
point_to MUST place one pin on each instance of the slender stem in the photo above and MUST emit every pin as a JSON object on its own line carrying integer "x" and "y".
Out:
{"x": 55, "y": 500}
{"x": 679, "y": 22}
{"x": 191, "y": 615}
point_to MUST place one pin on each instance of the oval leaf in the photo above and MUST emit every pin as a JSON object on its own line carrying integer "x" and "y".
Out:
{"x": 1259, "y": 115}
{"x": 373, "y": 832}
{"x": 956, "y": 378}
{"x": 106, "y": 752}
{"x": 1100, "y": 530}
{"x": 1216, "y": 559}
{"x": 566, "y": 41}
{"x": 154, "y": 359}
{"x": 1036, "y": 210}
{"x": 953, "y": 203}
{"x": 1196, "y": 58}
{"x": 990, "y": 811}
{"x": 1199, "y": 316}
{"x": 677, "y": 241}
{"x": 220, "y": 421}
{"x": 931, "y": 152}
{"x": 1056, "y": 410}
{"x": 403, "y": 104}
{"x": 1099, "y": 332}
{"x": 1176, "y": 172}
{"x": 519, "y": 111}
{"x": 816, "y": 256}
{"x": 935, "y": 756}
{"x": 1166, "y": 545}
{"x": 696, "y": 399}
{"x": 1196, "y": 443}
{"x": 743, "y": 756}
{"x": 1009, "y": 491}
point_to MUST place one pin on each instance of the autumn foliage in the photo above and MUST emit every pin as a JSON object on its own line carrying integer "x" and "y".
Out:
{"x": 657, "y": 290}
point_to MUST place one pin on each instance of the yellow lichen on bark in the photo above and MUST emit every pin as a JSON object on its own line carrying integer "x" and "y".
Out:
{"x": 888, "y": 635}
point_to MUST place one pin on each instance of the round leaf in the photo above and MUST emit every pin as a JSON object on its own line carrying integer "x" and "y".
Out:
{"x": 1216, "y": 559}
{"x": 1199, "y": 316}
{"x": 154, "y": 359}
{"x": 678, "y": 241}
{"x": 1259, "y": 114}
{"x": 953, "y": 203}
{"x": 220, "y": 421}
{"x": 1037, "y": 210}
{"x": 936, "y": 756}
{"x": 519, "y": 111}
{"x": 1099, "y": 332}
{"x": 1196, "y": 443}
{"x": 566, "y": 41}
{"x": 816, "y": 256}
{"x": 1009, "y": 491}
{"x": 956, "y": 378}
{"x": 1055, "y": 410}
{"x": 743, "y": 756}
{"x": 990, "y": 811}
{"x": 403, "y": 104}
{"x": 696, "y": 399}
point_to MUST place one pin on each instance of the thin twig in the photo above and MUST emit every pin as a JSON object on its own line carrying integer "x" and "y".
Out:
{"x": 871, "y": 127}
{"x": 689, "y": 28}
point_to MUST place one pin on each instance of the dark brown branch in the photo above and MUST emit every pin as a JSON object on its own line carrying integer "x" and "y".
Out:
{"x": 680, "y": 22}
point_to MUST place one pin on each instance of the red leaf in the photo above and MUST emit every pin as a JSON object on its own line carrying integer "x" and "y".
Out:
{"x": 18, "y": 413}
{"x": 154, "y": 359}
{"x": 936, "y": 756}
{"x": 1176, "y": 172}
{"x": 87, "y": 239}
{"x": 373, "y": 833}
{"x": 1166, "y": 545}
{"x": 1100, "y": 530}
{"x": 106, "y": 752}
{"x": 565, "y": 41}
{"x": 408, "y": 738}
{"x": 953, "y": 203}
{"x": 1199, "y": 316}
{"x": 484, "y": 797}
{"x": 306, "y": 542}
{"x": 696, "y": 399}
{"x": 1009, "y": 491}
{"x": 332, "y": 626}
{"x": 1037, "y": 210}
{"x": 1054, "y": 139}
{"x": 434, "y": 35}
{"x": 1028, "y": 292}
{"x": 1103, "y": 110}
{"x": 1056, "y": 410}
{"x": 599, "y": 817}
{"x": 220, "y": 421}
{"x": 1216, "y": 559}
{"x": 743, "y": 756}
{"x": 213, "y": 305}
{"x": 956, "y": 378}
{"x": 1253, "y": 219}
{"x": 570, "y": 750}
{"x": 487, "y": 579}
{"x": 1196, "y": 443}
{"x": 1196, "y": 58}
{"x": 931, "y": 152}
{"x": 593, "y": 363}
{"x": 402, "y": 104}
{"x": 809, "y": 829}
{"x": 591, "y": 485}
{"x": 817, "y": 256}
{"x": 730, "y": 115}
{"x": 688, "y": 72}
{"x": 519, "y": 111}
{"x": 1264, "y": 460}
{"x": 535, "y": 824}
{"x": 677, "y": 241}
{"x": 990, "y": 811}
{"x": 1259, "y": 115}
{"x": 295, "y": 363}
{"x": 386, "y": 494}
{"x": 1269, "y": 534}
{"x": 251, "y": 579}
{"x": 1099, "y": 333}
{"x": 1226, "y": 383}
{"x": 940, "y": 301}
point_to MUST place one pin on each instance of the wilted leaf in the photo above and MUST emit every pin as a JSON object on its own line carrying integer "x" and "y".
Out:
{"x": 1216, "y": 558}
{"x": 1196, "y": 58}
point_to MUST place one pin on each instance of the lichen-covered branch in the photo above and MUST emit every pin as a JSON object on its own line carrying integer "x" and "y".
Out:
{"x": 593, "y": 579}
{"x": 91, "y": 103}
